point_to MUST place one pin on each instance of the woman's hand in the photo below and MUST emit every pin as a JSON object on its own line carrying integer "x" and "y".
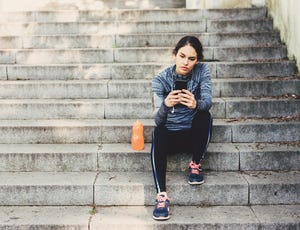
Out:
{"x": 173, "y": 98}
{"x": 187, "y": 99}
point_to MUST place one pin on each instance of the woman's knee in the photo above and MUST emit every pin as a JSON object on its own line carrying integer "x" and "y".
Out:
{"x": 203, "y": 117}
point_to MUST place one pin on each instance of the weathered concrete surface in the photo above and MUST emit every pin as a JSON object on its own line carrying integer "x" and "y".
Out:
{"x": 58, "y": 218}
{"x": 274, "y": 187}
{"x": 220, "y": 156}
{"x": 221, "y": 188}
{"x": 3, "y": 73}
{"x": 46, "y": 188}
{"x": 54, "y": 89}
{"x": 139, "y": 217}
{"x": 48, "y": 157}
{"x": 264, "y": 156}
{"x": 119, "y": 131}
{"x": 219, "y": 217}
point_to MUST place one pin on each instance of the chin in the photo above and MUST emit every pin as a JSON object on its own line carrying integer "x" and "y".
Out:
{"x": 181, "y": 72}
{"x": 184, "y": 72}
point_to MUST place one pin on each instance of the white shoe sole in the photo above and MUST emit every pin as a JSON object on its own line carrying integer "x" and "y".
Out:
{"x": 195, "y": 183}
{"x": 161, "y": 218}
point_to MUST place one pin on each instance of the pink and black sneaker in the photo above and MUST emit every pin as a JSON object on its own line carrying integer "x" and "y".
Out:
{"x": 195, "y": 176}
{"x": 161, "y": 210}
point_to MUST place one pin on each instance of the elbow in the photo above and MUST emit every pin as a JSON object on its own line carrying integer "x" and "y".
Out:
{"x": 157, "y": 121}
{"x": 205, "y": 105}
{"x": 209, "y": 104}
{"x": 154, "y": 113}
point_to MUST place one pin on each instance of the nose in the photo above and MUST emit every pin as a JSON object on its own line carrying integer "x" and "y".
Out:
{"x": 185, "y": 61}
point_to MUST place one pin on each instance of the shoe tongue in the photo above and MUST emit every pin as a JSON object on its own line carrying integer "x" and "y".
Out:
{"x": 194, "y": 165}
{"x": 163, "y": 194}
{"x": 162, "y": 197}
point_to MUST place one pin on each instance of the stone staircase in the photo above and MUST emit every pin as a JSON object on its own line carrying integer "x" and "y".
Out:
{"x": 72, "y": 84}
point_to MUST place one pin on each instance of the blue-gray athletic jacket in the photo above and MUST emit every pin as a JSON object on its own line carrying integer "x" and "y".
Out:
{"x": 180, "y": 117}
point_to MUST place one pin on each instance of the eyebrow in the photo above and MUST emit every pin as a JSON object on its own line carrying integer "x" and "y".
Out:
{"x": 180, "y": 53}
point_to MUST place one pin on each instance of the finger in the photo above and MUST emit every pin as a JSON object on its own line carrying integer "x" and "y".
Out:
{"x": 188, "y": 101}
{"x": 187, "y": 97}
{"x": 184, "y": 95}
{"x": 174, "y": 101}
{"x": 184, "y": 100}
{"x": 174, "y": 92}
{"x": 187, "y": 104}
{"x": 187, "y": 92}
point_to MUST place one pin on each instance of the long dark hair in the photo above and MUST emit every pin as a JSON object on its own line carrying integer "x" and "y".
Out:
{"x": 193, "y": 42}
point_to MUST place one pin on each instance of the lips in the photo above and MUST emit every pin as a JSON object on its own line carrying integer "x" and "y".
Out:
{"x": 184, "y": 68}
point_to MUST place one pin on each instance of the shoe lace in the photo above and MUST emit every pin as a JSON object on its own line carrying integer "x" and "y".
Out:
{"x": 195, "y": 168}
{"x": 161, "y": 201}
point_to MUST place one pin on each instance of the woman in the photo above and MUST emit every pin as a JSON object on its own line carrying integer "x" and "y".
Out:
{"x": 182, "y": 98}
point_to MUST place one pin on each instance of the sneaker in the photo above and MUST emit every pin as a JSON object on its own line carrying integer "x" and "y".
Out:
{"x": 195, "y": 176}
{"x": 161, "y": 210}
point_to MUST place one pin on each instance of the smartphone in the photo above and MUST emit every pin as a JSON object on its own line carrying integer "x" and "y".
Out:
{"x": 180, "y": 84}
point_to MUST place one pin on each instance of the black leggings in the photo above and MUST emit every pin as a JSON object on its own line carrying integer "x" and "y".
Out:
{"x": 164, "y": 142}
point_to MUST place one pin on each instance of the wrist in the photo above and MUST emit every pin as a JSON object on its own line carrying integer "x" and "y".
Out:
{"x": 165, "y": 104}
{"x": 195, "y": 104}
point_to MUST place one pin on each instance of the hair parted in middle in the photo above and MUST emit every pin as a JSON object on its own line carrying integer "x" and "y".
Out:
{"x": 193, "y": 42}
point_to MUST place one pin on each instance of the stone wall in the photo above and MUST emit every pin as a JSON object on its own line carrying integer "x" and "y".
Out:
{"x": 284, "y": 12}
{"x": 286, "y": 19}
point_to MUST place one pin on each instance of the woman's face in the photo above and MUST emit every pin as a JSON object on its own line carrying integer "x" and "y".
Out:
{"x": 185, "y": 60}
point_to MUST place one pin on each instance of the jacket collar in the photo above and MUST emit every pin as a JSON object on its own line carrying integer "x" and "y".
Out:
{"x": 175, "y": 75}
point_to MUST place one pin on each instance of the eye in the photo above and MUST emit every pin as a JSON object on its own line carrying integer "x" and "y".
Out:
{"x": 192, "y": 59}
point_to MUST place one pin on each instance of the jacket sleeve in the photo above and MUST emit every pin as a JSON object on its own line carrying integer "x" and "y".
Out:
{"x": 205, "y": 101}
{"x": 160, "y": 110}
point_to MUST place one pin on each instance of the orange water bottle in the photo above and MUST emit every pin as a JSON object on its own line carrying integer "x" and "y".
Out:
{"x": 137, "y": 138}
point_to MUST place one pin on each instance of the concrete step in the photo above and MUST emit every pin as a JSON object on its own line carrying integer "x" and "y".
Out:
{"x": 102, "y": 28}
{"x": 62, "y": 89}
{"x": 269, "y": 38}
{"x": 97, "y": 89}
{"x": 142, "y": 15}
{"x": 48, "y": 157}
{"x": 57, "y": 56}
{"x": 55, "y": 5}
{"x": 47, "y": 188}
{"x": 76, "y": 109}
{"x": 220, "y": 157}
{"x": 231, "y": 26}
{"x": 7, "y": 57}
{"x": 255, "y": 87}
{"x": 253, "y": 69}
{"x": 125, "y": 27}
{"x": 74, "y": 188}
{"x": 107, "y": 157}
{"x": 76, "y": 89}
{"x": 119, "y": 131}
{"x": 207, "y": 39}
{"x": 127, "y": 108}
{"x": 258, "y": 107}
{"x": 274, "y": 156}
{"x": 11, "y": 42}
{"x": 3, "y": 73}
{"x": 135, "y": 55}
{"x": 141, "y": 70}
{"x": 210, "y": 53}
{"x": 44, "y": 217}
{"x": 202, "y": 218}
{"x": 220, "y": 188}
{"x": 249, "y": 53}
{"x": 140, "y": 217}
